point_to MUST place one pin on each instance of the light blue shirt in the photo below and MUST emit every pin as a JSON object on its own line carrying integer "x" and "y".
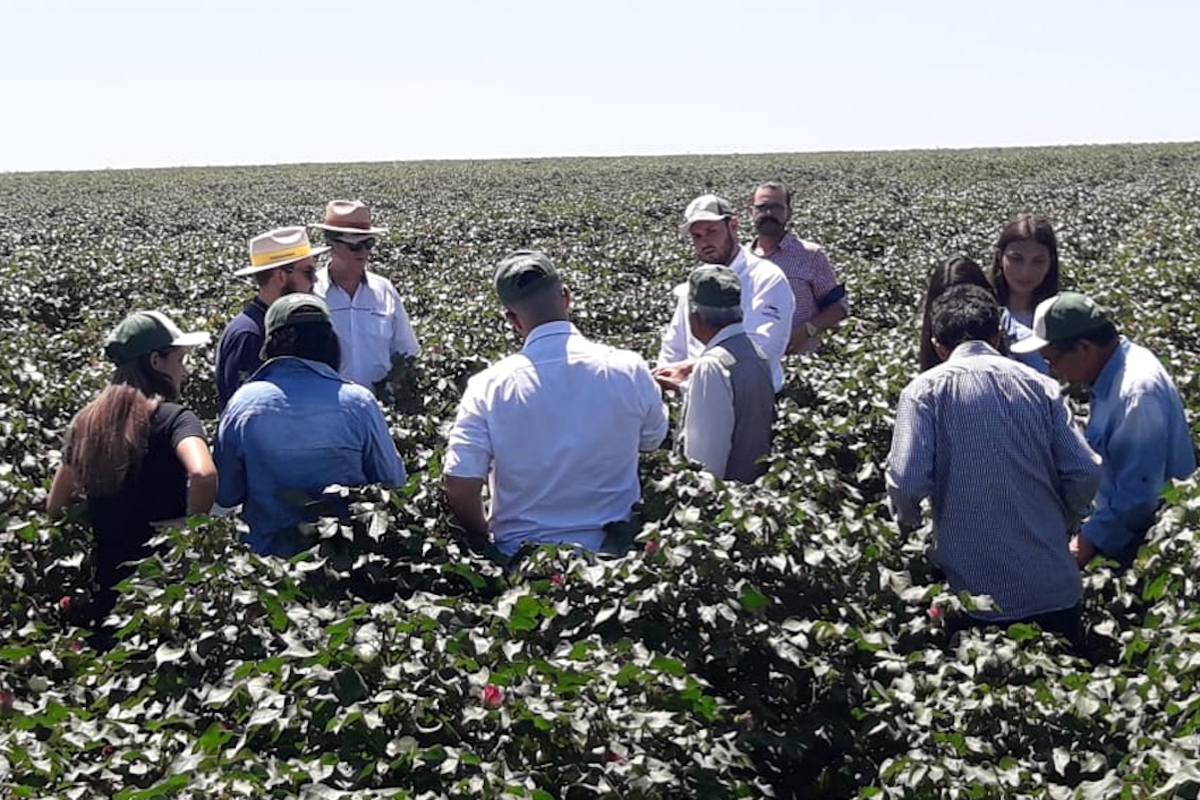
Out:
{"x": 1017, "y": 330}
{"x": 989, "y": 441}
{"x": 294, "y": 428}
{"x": 1138, "y": 427}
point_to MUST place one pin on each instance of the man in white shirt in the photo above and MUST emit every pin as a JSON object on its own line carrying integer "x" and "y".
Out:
{"x": 767, "y": 300}
{"x": 368, "y": 315}
{"x": 730, "y": 401}
{"x": 556, "y": 427}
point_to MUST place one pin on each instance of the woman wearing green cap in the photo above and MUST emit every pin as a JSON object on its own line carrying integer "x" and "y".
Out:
{"x": 138, "y": 457}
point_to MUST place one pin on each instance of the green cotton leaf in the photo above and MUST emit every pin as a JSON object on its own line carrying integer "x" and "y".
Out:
{"x": 472, "y": 577}
{"x": 752, "y": 599}
{"x": 1020, "y": 632}
{"x": 1156, "y": 588}
{"x": 11, "y": 654}
{"x": 671, "y": 666}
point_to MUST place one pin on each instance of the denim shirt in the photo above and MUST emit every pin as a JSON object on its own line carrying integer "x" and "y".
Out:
{"x": 1137, "y": 426}
{"x": 1016, "y": 331}
{"x": 294, "y": 428}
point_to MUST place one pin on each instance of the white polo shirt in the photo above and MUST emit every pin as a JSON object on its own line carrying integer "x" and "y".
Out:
{"x": 371, "y": 326}
{"x": 767, "y": 308}
{"x": 557, "y": 427}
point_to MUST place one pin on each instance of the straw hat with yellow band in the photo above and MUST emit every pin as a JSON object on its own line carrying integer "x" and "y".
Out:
{"x": 278, "y": 248}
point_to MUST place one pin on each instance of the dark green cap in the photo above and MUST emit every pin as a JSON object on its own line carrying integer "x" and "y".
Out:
{"x": 296, "y": 309}
{"x": 523, "y": 273}
{"x": 1064, "y": 316}
{"x": 146, "y": 332}
{"x": 715, "y": 287}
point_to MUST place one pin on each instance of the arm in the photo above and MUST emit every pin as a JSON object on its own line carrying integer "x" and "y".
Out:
{"x": 404, "y": 339}
{"x": 674, "y": 347}
{"x": 64, "y": 490}
{"x": 768, "y": 320}
{"x": 708, "y": 427}
{"x": 466, "y": 504}
{"x": 1137, "y": 465}
{"x": 239, "y": 356}
{"x": 654, "y": 413}
{"x": 1078, "y": 467}
{"x": 910, "y": 463}
{"x": 193, "y": 453}
{"x": 231, "y": 467}
{"x": 381, "y": 462}
{"x": 831, "y": 300}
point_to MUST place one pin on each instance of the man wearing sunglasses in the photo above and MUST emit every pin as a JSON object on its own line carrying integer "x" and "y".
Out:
{"x": 281, "y": 261}
{"x": 368, "y": 314}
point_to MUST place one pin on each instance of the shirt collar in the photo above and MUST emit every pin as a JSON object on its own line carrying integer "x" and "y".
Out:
{"x": 728, "y": 332}
{"x": 295, "y": 364}
{"x": 785, "y": 243}
{"x": 1110, "y": 371}
{"x": 560, "y": 327}
{"x": 974, "y": 347}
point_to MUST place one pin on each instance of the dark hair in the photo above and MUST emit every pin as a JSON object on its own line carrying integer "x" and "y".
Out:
{"x": 263, "y": 276}
{"x": 315, "y": 341}
{"x": 1022, "y": 229}
{"x": 956, "y": 271}
{"x": 107, "y": 438}
{"x": 1103, "y": 336}
{"x": 778, "y": 186}
{"x": 964, "y": 314}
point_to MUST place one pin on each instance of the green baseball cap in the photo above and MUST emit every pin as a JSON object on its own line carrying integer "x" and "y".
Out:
{"x": 715, "y": 287}
{"x": 297, "y": 309}
{"x": 1064, "y": 316}
{"x": 523, "y": 273}
{"x": 145, "y": 332}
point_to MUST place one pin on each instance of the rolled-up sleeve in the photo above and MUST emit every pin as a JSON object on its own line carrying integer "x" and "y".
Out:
{"x": 675, "y": 338}
{"x": 469, "y": 450}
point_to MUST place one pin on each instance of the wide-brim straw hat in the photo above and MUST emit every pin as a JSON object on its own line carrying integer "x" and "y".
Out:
{"x": 278, "y": 248}
{"x": 348, "y": 216}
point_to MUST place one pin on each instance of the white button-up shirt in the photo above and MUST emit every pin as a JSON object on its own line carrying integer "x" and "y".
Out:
{"x": 767, "y": 308}
{"x": 558, "y": 427}
{"x": 371, "y": 326}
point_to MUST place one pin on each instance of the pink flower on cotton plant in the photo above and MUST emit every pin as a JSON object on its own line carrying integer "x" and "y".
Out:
{"x": 493, "y": 696}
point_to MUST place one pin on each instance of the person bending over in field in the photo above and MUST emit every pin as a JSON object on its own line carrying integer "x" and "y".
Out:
{"x": 557, "y": 427}
{"x": 138, "y": 457}
{"x": 368, "y": 314}
{"x": 1136, "y": 421}
{"x": 990, "y": 443}
{"x": 730, "y": 400}
{"x": 281, "y": 262}
{"x": 1024, "y": 273}
{"x": 298, "y": 427}
{"x": 957, "y": 271}
{"x": 767, "y": 301}
{"x": 821, "y": 302}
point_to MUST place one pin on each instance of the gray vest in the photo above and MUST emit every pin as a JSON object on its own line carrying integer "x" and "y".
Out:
{"x": 753, "y": 406}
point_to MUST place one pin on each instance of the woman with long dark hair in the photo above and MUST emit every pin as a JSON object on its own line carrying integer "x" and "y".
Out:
{"x": 134, "y": 454}
{"x": 1024, "y": 273}
{"x": 952, "y": 272}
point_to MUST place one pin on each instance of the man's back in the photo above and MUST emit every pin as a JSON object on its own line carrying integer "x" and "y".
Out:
{"x": 560, "y": 424}
{"x": 988, "y": 440}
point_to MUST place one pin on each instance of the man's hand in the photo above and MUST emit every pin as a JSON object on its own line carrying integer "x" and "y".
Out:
{"x": 1083, "y": 550}
{"x": 671, "y": 377}
{"x": 798, "y": 340}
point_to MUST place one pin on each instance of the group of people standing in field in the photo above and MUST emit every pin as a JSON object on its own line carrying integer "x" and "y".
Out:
{"x": 553, "y": 431}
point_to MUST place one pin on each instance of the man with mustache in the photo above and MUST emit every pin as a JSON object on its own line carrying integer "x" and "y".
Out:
{"x": 767, "y": 301}
{"x": 821, "y": 302}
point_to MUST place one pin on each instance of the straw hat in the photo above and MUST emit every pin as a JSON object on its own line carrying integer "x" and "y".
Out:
{"x": 348, "y": 216}
{"x": 279, "y": 248}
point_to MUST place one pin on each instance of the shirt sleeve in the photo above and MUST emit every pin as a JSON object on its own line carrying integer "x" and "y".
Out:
{"x": 654, "y": 413}
{"x": 230, "y": 460}
{"x": 469, "y": 446}
{"x": 708, "y": 425}
{"x": 768, "y": 321}
{"x": 909, "y": 474}
{"x": 1137, "y": 465}
{"x": 824, "y": 281}
{"x": 675, "y": 337}
{"x": 184, "y": 425}
{"x": 1078, "y": 467}
{"x": 239, "y": 358}
{"x": 404, "y": 339}
{"x": 381, "y": 462}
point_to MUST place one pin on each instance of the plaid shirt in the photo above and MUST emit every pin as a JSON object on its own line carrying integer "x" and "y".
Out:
{"x": 808, "y": 272}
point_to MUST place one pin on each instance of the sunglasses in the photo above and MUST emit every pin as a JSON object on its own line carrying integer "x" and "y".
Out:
{"x": 359, "y": 246}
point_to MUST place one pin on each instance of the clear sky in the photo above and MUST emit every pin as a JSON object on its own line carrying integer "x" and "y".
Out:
{"x": 92, "y": 85}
